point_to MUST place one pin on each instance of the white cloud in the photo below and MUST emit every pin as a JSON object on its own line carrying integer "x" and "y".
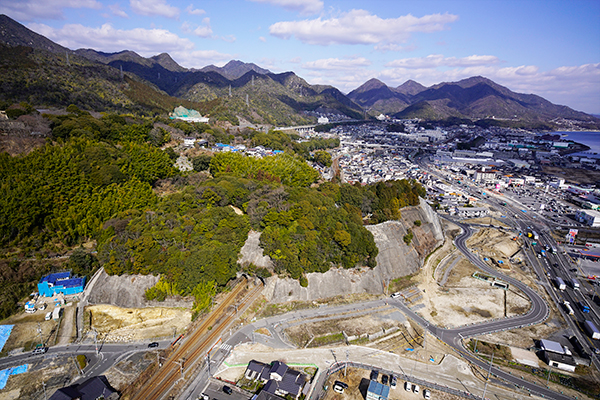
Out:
{"x": 204, "y": 30}
{"x": 262, "y": 39}
{"x": 146, "y": 42}
{"x": 116, "y": 10}
{"x": 337, "y": 64}
{"x": 154, "y": 7}
{"x": 359, "y": 27}
{"x": 194, "y": 11}
{"x": 30, "y": 10}
{"x": 394, "y": 47}
{"x": 438, "y": 60}
{"x": 304, "y": 7}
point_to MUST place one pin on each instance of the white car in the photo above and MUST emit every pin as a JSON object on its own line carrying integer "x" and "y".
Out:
{"x": 416, "y": 388}
{"x": 407, "y": 386}
{"x": 427, "y": 394}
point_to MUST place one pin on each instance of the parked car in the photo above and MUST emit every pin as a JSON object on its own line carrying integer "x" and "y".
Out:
{"x": 407, "y": 386}
{"x": 384, "y": 379}
{"x": 427, "y": 394}
{"x": 153, "y": 344}
{"x": 374, "y": 375}
{"x": 203, "y": 396}
{"x": 416, "y": 388}
{"x": 339, "y": 386}
{"x": 227, "y": 389}
{"x": 393, "y": 381}
{"x": 40, "y": 350}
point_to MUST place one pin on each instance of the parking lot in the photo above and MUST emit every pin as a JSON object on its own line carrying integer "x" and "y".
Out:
{"x": 215, "y": 391}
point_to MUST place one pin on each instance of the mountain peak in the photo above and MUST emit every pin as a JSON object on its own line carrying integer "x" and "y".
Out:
{"x": 165, "y": 61}
{"x": 14, "y": 34}
{"x": 475, "y": 80}
{"x": 410, "y": 88}
{"x": 235, "y": 69}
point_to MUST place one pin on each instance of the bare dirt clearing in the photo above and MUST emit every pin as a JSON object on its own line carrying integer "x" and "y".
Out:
{"x": 25, "y": 333}
{"x": 357, "y": 381}
{"x": 129, "y": 324}
{"x": 54, "y": 372}
{"x": 453, "y": 297}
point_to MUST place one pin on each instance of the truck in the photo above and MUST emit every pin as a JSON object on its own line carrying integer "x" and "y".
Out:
{"x": 56, "y": 313}
{"x": 591, "y": 329}
{"x": 568, "y": 307}
{"x": 535, "y": 235}
{"x": 584, "y": 308}
{"x": 575, "y": 283}
{"x": 560, "y": 284}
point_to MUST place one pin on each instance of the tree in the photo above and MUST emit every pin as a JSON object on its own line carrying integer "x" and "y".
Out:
{"x": 322, "y": 157}
{"x": 201, "y": 162}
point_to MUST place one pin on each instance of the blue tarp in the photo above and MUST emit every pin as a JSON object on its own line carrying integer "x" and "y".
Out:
{"x": 5, "y": 373}
{"x": 4, "y": 334}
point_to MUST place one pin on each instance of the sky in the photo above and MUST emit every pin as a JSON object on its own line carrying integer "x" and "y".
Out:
{"x": 549, "y": 48}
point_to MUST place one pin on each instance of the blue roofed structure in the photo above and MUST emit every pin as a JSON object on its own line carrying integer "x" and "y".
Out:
{"x": 61, "y": 282}
{"x": 377, "y": 391}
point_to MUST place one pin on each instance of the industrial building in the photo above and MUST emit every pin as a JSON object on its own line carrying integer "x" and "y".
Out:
{"x": 61, "y": 282}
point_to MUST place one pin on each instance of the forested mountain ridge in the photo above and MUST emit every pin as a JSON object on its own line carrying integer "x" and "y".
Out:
{"x": 472, "y": 98}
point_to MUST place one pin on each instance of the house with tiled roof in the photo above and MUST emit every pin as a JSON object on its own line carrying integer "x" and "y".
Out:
{"x": 279, "y": 379}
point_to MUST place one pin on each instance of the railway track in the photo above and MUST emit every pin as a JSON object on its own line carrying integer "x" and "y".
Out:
{"x": 197, "y": 344}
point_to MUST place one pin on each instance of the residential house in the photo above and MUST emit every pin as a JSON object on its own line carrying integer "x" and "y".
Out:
{"x": 279, "y": 379}
{"x": 92, "y": 389}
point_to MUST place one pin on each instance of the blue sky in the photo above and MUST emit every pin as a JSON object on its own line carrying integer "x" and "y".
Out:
{"x": 549, "y": 48}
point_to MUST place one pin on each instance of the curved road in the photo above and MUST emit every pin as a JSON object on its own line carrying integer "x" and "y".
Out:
{"x": 453, "y": 337}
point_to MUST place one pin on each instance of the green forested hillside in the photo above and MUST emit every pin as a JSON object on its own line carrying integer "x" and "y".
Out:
{"x": 95, "y": 182}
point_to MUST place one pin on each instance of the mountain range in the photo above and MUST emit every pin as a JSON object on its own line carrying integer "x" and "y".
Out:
{"x": 37, "y": 70}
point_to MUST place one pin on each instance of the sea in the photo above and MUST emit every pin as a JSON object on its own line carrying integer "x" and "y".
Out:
{"x": 590, "y": 139}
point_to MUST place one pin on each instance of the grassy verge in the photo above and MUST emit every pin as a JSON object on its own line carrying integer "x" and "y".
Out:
{"x": 327, "y": 339}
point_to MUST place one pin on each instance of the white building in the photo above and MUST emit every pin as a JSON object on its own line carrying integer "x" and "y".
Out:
{"x": 471, "y": 212}
{"x": 322, "y": 120}
{"x": 486, "y": 176}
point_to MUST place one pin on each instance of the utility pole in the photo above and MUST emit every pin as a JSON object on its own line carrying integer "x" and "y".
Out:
{"x": 549, "y": 372}
{"x": 44, "y": 386}
{"x": 346, "y": 367}
{"x": 208, "y": 362}
{"x": 180, "y": 363}
{"x": 39, "y": 330}
{"x": 95, "y": 339}
{"x": 488, "y": 377}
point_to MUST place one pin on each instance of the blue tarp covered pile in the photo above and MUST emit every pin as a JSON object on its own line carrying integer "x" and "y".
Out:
{"x": 5, "y": 373}
{"x": 4, "y": 334}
